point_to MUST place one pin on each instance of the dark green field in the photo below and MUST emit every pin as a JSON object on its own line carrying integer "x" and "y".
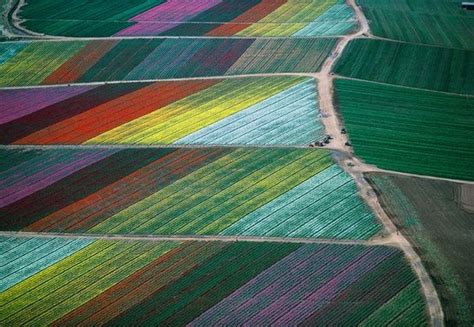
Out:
{"x": 425, "y": 67}
{"x": 440, "y": 22}
{"x": 415, "y": 131}
{"x": 83, "y": 17}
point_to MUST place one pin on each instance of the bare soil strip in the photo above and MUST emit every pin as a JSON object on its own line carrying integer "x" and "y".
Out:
{"x": 200, "y": 238}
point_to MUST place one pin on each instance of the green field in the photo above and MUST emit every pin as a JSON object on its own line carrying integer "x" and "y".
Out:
{"x": 415, "y": 131}
{"x": 425, "y": 67}
{"x": 441, "y": 22}
{"x": 430, "y": 213}
{"x": 83, "y": 17}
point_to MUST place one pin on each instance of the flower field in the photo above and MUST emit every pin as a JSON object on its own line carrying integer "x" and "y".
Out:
{"x": 109, "y": 282}
{"x": 255, "y": 192}
{"x": 408, "y": 130}
{"x": 190, "y": 17}
{"x": 442, "y": 23}
{"x": 59, "y": 62}
{"x": 271, "y": 110}
{"x": 202, "y": 163}
{"x": 432, "y": 215}
{"x": 419, "y": 66}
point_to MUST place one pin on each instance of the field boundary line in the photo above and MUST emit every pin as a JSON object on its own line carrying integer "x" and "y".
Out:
{"x": 337, "y": 76}
{"x": 150, "y": 146}
{"x": 201, "y": 238}
{"x": 381, "y": 38}
{"x": 168, "y": 21}
{"x": 153, "y": 80}
{"x": 394, "y": 172}
{"x": 53, "y": 38}
{"x": 316, "y": 75}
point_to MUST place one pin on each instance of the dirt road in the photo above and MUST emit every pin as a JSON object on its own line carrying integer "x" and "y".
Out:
{"x": 356, "y": 169}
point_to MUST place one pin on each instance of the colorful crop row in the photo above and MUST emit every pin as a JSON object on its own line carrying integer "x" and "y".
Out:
{"x": 419, "y": 66}
{"x": 415, "y": 131}
{"x": 438, "y": 218}
{"x": 190, "y": 18}
{"x": 56, "y": 62}
{"x": 205, "y": 283}
{"x": 259, "y": 192}
{"x": 442, "y": 23}
{"x": 271, "y": 110}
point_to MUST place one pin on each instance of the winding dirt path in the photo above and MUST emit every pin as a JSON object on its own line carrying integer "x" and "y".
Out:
{"x": 356, "y": 169}
{"x": 14, "y": 28}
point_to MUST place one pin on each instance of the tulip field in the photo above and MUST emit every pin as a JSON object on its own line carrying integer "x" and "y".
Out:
{"x": 115, "y": 283}
{"x": 236, "y": 163}
{"x": 59, "y": 62}
{"x": 269, "y": 110}
{"x": 253, "y": 192}
{"x": 190, "y": 18}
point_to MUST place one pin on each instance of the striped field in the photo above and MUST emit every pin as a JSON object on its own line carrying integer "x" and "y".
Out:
{"x": 227, "y": 191}
{"x": 204, "y": 283}
{"x": 415, "y": 131}
{"x": 190, "y": 18}
{"x": 438, "y": 219}
{"x": 441, "y": 22}
{"x": 60, "y": 62}
{"x": 244, "y": 111}
{"x": 412, "y": 65}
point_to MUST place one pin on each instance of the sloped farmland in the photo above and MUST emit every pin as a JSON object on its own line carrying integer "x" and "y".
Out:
{"x": 189, "y": 18}
{"x": 253, "y": 192}
{"x": 60, "y": 62}
{"x": 250, "y": 111}
{"x": 204, "y": 283}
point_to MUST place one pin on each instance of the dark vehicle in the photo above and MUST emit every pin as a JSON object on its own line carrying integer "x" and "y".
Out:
{"x": 467, "y": 5}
